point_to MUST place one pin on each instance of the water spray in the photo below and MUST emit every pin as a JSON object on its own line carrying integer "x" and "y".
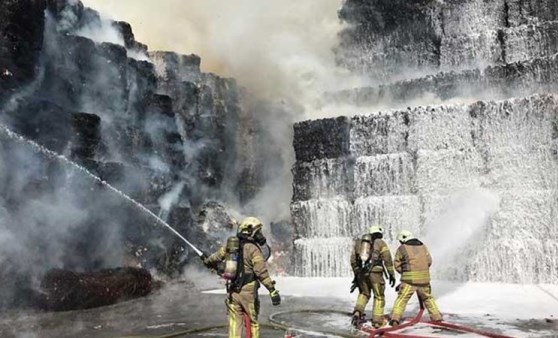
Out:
{"x": 15, "y": 136}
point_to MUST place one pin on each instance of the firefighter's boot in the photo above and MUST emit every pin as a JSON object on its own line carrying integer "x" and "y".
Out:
{"x": 357, "y": 319}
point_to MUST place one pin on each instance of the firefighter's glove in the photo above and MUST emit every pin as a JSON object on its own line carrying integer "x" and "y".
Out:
{"x": 355, "y": 281}
{"x": 354, "y": 285}
{"x": 391, "y": 280}
{"x": 204, "y": 258}
{"x": 359, "y": 275}
{"x": 275, "y": 297}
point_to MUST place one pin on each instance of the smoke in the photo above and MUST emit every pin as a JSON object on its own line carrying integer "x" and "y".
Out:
{"x": 458, "y": 226}
{"x": 169, "y": 199}
{"x": 278, "y": 49}
{"x": 101, "y": 31}
{"x": 46, "y": 213}
{"x": 51, "y": 215}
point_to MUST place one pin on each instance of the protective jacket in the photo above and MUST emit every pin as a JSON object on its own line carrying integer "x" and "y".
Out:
{"x": 380, "y": 256}
{"x": 244, "y": 300}
{"x": 253, "y": 264}
{"x": 370, "y": 278}
{"x": 413, "y": 261}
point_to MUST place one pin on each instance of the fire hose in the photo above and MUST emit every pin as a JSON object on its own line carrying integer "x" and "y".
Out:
{"x": 389, "y": 332}
{"x": 274, "y": 324}
{"x": 386, "y": 332}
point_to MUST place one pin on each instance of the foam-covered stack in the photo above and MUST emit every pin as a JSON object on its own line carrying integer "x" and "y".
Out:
{"x": 389, "y": 39}
{"x": 402, "y": 168}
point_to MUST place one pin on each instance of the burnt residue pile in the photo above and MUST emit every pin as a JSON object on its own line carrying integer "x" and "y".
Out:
{"x": 65, "y": 290}
{"x": 151, "y": 124}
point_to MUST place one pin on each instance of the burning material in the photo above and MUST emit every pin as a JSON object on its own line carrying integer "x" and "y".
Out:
{"x": 67, "y": 290}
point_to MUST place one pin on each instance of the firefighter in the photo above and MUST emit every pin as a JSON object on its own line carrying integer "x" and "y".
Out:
{"x": 370, "y": 255}
{"x": 244, "y": 269}
{"x": 412, "y": 261}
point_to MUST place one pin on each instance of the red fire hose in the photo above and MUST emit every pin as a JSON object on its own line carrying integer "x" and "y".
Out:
{"x": 389, "y": 332}
{"x": 385, "y": 331}
{"x": 247, "y": 326}
{"x": 455, "y": 327}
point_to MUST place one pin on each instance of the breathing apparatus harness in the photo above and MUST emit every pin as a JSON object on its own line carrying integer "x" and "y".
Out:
{"x": 234, "y": 259}
{"x": 366, "y": 260}
{"x": 367, "y": 257}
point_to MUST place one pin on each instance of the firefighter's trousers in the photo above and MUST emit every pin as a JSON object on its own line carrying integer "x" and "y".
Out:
{"x": 375, "y": 284}
{"x": 406, "y": 291}
{"x": 244, "y": 302}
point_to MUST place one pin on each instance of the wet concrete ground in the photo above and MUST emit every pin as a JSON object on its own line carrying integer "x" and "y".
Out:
{"x": 178, "y": 307}
{"x": 174, "y": 308}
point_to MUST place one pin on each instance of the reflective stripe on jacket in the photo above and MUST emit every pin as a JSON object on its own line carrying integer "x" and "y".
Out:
{"x": 412, "y": 261}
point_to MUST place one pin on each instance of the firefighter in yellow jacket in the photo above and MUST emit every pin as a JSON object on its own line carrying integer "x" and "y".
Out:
{"x": 244, "y": 269}
{"x": 370, "y": 255}
{"x": 413, "y": 261}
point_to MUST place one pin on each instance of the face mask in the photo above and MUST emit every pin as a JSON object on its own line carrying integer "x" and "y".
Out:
{"x": 259, "y": 238}
{"x": 377, "y": 235}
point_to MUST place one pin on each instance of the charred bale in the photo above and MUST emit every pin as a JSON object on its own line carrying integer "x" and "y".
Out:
{"x": 87, "y": 135}
{"x": 21, "y": 39}
{"x": 327, "y": 139}
{"x": 68, "y": 290}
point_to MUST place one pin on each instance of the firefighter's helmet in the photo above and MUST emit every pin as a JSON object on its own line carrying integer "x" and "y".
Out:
{"x": 404, "y": 236}
{"x": 249, "y": 226}
{"x": 376, "y": 229}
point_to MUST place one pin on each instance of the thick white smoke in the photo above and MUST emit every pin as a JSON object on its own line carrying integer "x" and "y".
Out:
{"x": 100, "y": 30}
{"x": 281, "y": 51}
{"x": 277, "y": 49}
{"x": 169, "y": 199}
{"x": 42, "y": 228}
{"x": 52, "y": 216}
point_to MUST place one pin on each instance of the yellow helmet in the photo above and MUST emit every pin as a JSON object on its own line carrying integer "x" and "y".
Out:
{"x": 376, "y": 229}
{"x": 249, "y": 226}
{"x": 404, "y": 236}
